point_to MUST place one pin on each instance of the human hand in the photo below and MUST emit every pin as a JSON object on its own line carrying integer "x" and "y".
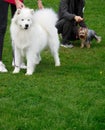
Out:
{"x": 19, "y": 4}
{"x": 78, "y": 19}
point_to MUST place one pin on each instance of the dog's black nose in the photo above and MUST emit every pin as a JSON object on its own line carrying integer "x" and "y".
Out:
{"x": 26, "y": 26}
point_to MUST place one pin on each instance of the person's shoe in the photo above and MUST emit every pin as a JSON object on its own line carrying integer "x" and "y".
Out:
{"x": 3, "y": 68}
{"x": 67, "y": 45}
{"x": 70, "y": 46}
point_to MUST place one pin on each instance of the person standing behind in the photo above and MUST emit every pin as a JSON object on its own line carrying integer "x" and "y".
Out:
{"x": 4, "y": 5}
{"x": 70, "y": 16}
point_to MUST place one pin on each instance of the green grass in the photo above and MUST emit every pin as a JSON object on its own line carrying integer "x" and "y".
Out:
{"x": 70, "y": 97}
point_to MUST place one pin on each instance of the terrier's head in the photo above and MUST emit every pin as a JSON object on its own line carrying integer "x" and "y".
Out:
{"x": 82, "y": 32}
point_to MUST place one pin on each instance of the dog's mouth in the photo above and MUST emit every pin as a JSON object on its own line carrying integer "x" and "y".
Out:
{"x": 81, "y": 36}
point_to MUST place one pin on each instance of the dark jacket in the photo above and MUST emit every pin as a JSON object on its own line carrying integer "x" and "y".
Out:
{"x": 68, "y": 10}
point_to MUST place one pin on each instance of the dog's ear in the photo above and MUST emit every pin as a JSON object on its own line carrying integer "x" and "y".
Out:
{"x": 32, "y": 11}
{"x": 79, "y": 29}
{"x": 14, "y": 19}
{"x": 86, "y": 30}
{"x": 18, "y": 11}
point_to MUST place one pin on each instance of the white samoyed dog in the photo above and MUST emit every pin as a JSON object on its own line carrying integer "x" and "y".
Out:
{"x": 31, "y": 32}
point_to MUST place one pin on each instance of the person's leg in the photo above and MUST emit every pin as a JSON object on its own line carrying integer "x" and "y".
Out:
{"x": 67, "y": 34}
{"x": 3, "y": 26}
{"x": 64, "y": 28}
{"x": 59, "y": 25}
{"x": 13, "y": 9}
{"x": 67, "y": 31}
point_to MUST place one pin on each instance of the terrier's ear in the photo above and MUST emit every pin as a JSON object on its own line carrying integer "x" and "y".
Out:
{"x": 86, "y": 30}
{"x": 80, "y": 28}
{"x": 32, "y": 11}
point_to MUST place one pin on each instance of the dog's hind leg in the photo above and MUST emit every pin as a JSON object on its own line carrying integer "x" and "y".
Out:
{"x": 56, "y": 58}
{"x": 38, "y": 58}
{"x": 54, "y": 48}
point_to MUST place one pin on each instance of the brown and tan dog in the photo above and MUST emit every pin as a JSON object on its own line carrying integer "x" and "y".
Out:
{"x": 86, "y": 36}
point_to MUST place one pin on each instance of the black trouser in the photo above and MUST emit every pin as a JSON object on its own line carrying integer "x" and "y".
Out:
{"x": 3, "y": 21}
{"x": 68, "y": 29}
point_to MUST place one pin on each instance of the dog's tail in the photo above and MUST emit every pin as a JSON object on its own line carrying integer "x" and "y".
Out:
{"x": 47, "y": 18}
{"x": 98, "y": 38}
{"x": 46, "y": 15}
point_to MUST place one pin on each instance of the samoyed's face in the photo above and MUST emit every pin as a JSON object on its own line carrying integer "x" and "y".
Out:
{"x": 25, "y": 23}
{"x": 24, "y": 18}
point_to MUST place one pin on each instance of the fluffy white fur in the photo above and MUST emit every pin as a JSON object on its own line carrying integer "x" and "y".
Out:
{"x": 31, "y": 32}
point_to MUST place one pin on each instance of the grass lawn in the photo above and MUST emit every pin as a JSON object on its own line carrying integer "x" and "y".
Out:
{"x": 70, "y": 97}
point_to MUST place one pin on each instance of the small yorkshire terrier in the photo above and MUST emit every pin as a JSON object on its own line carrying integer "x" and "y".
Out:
{"x": 86, "y": 36}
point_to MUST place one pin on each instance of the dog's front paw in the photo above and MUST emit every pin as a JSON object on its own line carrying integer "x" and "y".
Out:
{"x": 82, "y": 46}
{"x": 16, "y": 70}
{"x": 27, "y": 73}
{"x": 88, "y": 46}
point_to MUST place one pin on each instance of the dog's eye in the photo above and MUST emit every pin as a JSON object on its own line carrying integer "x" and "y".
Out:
{"x": 22, "y": 19}
{"x": 28, "y": 19}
